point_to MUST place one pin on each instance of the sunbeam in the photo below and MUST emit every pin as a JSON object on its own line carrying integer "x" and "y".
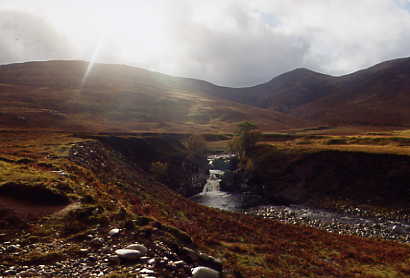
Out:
{"x": 92, "y": 61}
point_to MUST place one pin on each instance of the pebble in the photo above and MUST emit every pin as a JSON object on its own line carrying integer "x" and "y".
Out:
{"x": 97, "y": 242}
{"x": 146, "y": 271}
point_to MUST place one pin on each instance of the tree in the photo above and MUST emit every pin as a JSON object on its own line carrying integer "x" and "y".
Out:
{"x": 159, "y": 170}
{"x": 196, "y": 146}
{"x": 244, "y": 140}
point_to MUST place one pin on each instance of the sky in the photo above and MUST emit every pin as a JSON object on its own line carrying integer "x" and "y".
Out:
{"x": 228, "y": 42}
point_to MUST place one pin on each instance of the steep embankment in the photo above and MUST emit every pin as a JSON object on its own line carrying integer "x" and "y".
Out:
{"x": 184, "y": 175}
{"x": 363, "y": 177}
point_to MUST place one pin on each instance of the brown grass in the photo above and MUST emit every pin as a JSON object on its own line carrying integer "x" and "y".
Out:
{"x": 248, "y": 245}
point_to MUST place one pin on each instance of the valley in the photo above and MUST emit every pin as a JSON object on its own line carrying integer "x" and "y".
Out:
{"x": 108, "y": 188}
{"x": 131, "y": 173}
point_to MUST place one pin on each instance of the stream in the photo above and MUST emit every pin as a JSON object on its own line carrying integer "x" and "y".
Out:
{"x": 353, "y": 221}
{"x": 211, "y": 195}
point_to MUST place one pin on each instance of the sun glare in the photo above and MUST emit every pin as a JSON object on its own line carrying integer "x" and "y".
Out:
{"x": 131, "y": 34}
{"x": 92, "y": 61}
{"x": 136, "y": 35}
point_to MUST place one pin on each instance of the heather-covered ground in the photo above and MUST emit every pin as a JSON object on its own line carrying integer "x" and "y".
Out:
{"x": 96, "y": 188}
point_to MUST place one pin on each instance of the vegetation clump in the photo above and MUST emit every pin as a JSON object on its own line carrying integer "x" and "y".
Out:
{"x": 159, "y": 169}
{"x": 246, "y": 137}
{"x": 196, "y": 146}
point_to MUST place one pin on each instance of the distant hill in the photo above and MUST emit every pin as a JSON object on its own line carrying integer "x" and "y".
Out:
{"x": 288, "y": 90}
{"x": 128, "y": 98}
{"x": 55, "y": 94}
{"x": 379, "y": 95}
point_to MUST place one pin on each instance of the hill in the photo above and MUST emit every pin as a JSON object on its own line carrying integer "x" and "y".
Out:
{"x": 69, "y": 95}
{"x": 377, "y": 96}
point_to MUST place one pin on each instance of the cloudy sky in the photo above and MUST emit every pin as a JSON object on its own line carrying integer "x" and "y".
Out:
{"x": 228, "y": 42}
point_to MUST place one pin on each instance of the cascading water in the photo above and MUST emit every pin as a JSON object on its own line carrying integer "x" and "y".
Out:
{"x": 211, "y": 194}
{"x": 213, "y": 182}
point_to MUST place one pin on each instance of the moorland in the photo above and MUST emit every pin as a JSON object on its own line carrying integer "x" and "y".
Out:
{"x": 77, "y": 161}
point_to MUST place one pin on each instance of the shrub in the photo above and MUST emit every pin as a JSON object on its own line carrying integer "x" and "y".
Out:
{"x": 196, "y": 146}
{"x": 244, "y": 140}
{"x": 159, "y": 169}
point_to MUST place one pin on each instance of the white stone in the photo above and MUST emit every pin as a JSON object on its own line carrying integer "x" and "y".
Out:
{"x": 204, "y": 272}
{"x": 146, "y": 271}
{"x": 114, "y": 231}
{"x": 128, "y": 254}
{"x": 138, "y": 247}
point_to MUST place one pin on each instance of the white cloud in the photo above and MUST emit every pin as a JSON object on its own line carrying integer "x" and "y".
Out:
{"x": 230, "y": 42}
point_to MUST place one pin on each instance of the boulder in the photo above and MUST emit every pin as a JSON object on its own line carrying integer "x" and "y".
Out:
{"x": 204, "y": 272}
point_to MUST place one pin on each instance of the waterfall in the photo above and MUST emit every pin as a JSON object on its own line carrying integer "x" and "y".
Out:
{"x": 211, "y": 194}
{"x": 213, "y": 181}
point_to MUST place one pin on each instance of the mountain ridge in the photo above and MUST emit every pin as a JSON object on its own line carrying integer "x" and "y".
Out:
{"x": 378, "y": 95}
{"x": 119, "y": 98}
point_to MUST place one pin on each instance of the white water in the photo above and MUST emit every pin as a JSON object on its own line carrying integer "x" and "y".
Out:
{"x": 211, "y": 194}
{"x": 213, "y": 181}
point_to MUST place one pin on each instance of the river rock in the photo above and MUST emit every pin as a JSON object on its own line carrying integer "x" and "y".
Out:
{"x": 139, "y": 247}
{"x": 204, "y": 272}
{"x": 146, "y": 271}
{"x": 114, "y": 232}
{"x": 128, "y": 254}
{"x": 97, "y": 242}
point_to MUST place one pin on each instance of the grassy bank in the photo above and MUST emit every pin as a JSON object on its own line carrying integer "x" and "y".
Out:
{"x": 94, "y": 176}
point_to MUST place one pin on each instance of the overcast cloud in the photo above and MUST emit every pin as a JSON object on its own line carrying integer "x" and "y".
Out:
{"x": 231, "y": 42}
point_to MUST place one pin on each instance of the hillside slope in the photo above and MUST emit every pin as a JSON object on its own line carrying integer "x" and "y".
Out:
{"x": 379, "y": 95}
{"x": 107, "y": 190}
{"x": 118, "y": 97}
{"x": 56, "y": 94}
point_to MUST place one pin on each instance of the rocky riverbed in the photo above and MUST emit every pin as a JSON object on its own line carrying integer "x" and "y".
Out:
{"x": 349, "y": 219}
{"x": 353, "y": 221}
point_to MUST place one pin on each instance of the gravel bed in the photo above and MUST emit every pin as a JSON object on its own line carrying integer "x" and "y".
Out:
{"x": 352, "y": 222}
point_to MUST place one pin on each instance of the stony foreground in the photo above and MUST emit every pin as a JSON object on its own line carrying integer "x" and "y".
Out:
{"x": 101, "y": 254}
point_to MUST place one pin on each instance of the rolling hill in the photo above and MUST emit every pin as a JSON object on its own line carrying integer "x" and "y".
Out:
{"x": 378, "y": 96}
{"x": 123, "y": 98}
{"x": 55, "y": 94}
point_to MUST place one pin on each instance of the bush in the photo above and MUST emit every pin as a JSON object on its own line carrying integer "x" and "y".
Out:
{"x": 159, "y": 170}
{"x": 196, "y": 146}
{"x": 244, "y": 140}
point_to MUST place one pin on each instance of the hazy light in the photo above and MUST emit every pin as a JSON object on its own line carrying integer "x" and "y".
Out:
{"x": 92, "y": 61}
{"x": 229, "y": 42}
